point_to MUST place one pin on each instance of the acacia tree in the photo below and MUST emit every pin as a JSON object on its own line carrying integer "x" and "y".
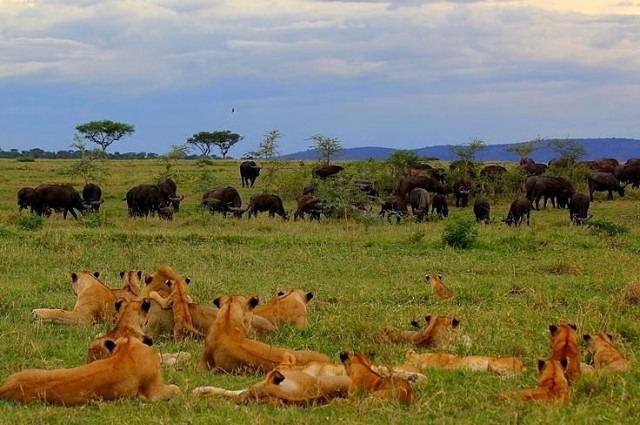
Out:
{"x": 206, "y": 140}
{"x": 467, "y": 153}
{"x": 525, "y": 149}
{"x": 325, "y": 146}
{"x": 568, "y": 149}
{"x": 103, "y": 133}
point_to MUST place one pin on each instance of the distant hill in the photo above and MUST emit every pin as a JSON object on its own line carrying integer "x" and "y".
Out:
{"x": 620, "y": 149}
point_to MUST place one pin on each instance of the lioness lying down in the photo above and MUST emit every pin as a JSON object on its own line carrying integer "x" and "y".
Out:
{"x": 228, "y": 348}
{"x": 499, "y": 365}
{"x": 288, "y": 307}
{"x": 132, "y": 371}
{"x": 553, "y": 385}
{"x": 437, "y": 333}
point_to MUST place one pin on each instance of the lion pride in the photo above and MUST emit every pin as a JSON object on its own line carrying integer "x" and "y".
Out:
{"x": 365, "y": 379}
{"x": 288, "y": 307}
{"x": 436, "y": 334}
{"x": 227, "y": 347}
{"x": 564, "y": 344}
{"x": 605, "y": 355}
{"x": 95, "y": 303}
{"x": 132, "y": 371}
{"x": 553, "y": 385}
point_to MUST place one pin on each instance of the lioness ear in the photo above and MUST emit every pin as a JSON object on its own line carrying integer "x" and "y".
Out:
{"x": 74, "y": 277}
{"x": 439, "y": 276}
{"x": 110, "y": 345}
{"x": 540, "y": 365}
{"x": 573, "y": 326}
{"x": 145, "y": 305}
{"x": 121, "y": 274}
{"x": 146, "y": 340}
{"x": 169, "y": 283}
{"x": 427, "y": 277}
{"x": 371, "y": 355}
{"x": 119, "y": 303}
{"x": 254, "y": 301}
{"x": 309, "y": 296}
{"x": 553, "y": 329}
{"x": 139, "y": 274}
{"x": 344, "y": 356}
{"x": 187, "y": 280}
{"x": 280, "y": 293}
{"x": 96, "y": 274}
{"x": 276, "y": 377}
{"x": 427, "y": 318}
{"x": 216, "y": 302}
{"x": 564, "y": 363}
{"x": 148, "y": 279}
{"x": 610, "y": 337}
{"x": 415, "y": 324}
{"x": 586, "y": 337}
{"x": 455, "y": 322}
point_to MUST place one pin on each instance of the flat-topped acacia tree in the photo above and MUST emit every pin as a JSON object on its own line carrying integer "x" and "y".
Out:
{"x": 104, "y": 133}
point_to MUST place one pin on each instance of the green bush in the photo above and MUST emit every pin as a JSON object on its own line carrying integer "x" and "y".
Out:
{"x": 26, "y": 159}
{"x": 30, "y": 222}
{"x": 91, "y": 219}
{"x": 460, "y": 233}
{"x": 605, "y": 226}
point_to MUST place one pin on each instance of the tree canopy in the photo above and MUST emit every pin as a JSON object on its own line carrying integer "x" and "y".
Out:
{"x": 205, "y": 141}
{"x": 326, "y": 146}
{"x": 525, "y": 149}
{"x": 567, "y": 149}
{"x": 104, "y": 133}
{"x": 467, "y": 152}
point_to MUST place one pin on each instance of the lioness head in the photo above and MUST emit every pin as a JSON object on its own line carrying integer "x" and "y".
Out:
{"x": 238, "y": 305}
{"x": 156, "y": 281}
{"x": 306, "y": 297}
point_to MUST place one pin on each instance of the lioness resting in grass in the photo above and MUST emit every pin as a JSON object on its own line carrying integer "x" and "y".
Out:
{"x": 499, "y": 365}
{"x": 365, "y": 379}
{"x": 227, "y": 347}
{"x": 178, "y": 300}
{"x": 605, "y": 355}
{"x": 95, "y": 302}
{"x": 288, "y": 307}
{"x": 132, "y": 371}
{"x": 564, "y": 344}
{"x": 553, "y": 385}
{"x": 437, "y": 333}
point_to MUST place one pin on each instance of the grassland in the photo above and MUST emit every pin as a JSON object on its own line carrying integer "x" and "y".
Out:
{"x": 365, "y": 275}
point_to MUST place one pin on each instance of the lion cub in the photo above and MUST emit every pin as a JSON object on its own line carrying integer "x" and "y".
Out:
{"x": 178, "y": 300}
{"x": 565, "y": 345}
{"x": 435, "y": 281}
{"x": 364, "y": 378}
{"x": 605, "y": 355}
{"x": 553, "y": 385}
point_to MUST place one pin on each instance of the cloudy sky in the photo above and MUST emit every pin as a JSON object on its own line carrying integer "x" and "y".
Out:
{"x": 402, "y": 74}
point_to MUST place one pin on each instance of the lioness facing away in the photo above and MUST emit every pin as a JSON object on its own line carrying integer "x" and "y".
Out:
{"x": 553, "y": 385}
{"x": 605, "y": 355}
{"x": 287, "y": 308}
{"x": 132, "y": 371}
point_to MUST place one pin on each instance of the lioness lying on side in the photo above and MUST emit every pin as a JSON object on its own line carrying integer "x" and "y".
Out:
{"x": 227, "y": 347}
{"x": 499, "y": 365}
{"x": 132, "y": 371}
{"x": 437, "y": 333}
{"x": 287, "y": 308}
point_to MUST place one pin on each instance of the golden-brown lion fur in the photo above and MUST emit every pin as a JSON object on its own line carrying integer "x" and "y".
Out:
{"x": 178, "y": 300}
{"x": 131, "y": 317}
{"x": 605, "y": 355}
{"x": 95, "y": 303}
{"x": 435, "y": 281}
{"x": 130, "y": 289}
{"x": 553, "y": 385}
{"x": 156, "y": 281}
{"x": 499, "y": 365}
{"x": 365, "y": 379}
{"x": 438, "y": 333}
{"x": 228, "y": 348}
{"x": 132, "y": 371}
{"x": 288, "y": 307}
{"x": 316, "y": 369}
{"x": 564, "y": 344}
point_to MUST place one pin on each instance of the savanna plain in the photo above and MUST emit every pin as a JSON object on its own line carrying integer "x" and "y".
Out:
{"x": 365, "y": 274}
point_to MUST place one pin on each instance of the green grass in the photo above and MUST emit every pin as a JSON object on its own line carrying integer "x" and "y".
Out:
{"x": 509, "y": 286}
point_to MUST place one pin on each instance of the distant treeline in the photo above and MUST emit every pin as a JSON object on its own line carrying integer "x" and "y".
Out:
{"x": 76, "y": 154}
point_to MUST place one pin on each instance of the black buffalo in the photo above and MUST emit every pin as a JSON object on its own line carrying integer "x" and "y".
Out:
{"x": 266, "y": 202}
{"x": 420, "y": 201}
{"x": 558, "y": 189}
{"x": 482, "y": 210}
{"x": 311, "y": 206}
{"x": 439, "y": 205}
{"x": 461, "y": 190}
{"x": 309, "y": 189}
{"x": 223, "y": 200}
{"x": 628, "y": 174}
{"x": 249, "y": 172}
{"x": 92, "y": 195}
{"x": 529, "y": 167}
{"x": 518, "y": 210}
{"x": 492, "y": 171}
{"x": 632, "y": 161}
{"x": 407, "y": 184}
{"x": 604, "y": 182}
{"x": 168, "y": 188}
{"x": 394, "y": 206}
{"x": 147, "y": 199}
{"x": 60, "y": 197}
{"x": 604, "y": 165}
{"x": 324, "y": 171}
{"x": 25, "y": 198}
{"x": 579, "y": 208}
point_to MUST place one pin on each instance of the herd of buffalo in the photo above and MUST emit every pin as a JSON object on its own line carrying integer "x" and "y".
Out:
{"x": 424, "y": 189}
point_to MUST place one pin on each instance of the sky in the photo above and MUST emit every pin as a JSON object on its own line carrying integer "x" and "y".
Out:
{"x": 401, "y": 74}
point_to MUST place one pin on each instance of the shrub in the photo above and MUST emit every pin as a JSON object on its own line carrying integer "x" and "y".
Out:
{"x": 605, "y": 226}
{"x": 91, "y": 219}
{"x": 460, "y": 233}
{"x": 30, "y": 222}
{"x": 26, "y": 159}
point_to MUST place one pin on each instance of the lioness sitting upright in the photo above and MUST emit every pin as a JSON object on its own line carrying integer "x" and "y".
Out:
{"x": 130, "y": 285}
{"x": 132, "y": 371}
{"x": 605, "y": 355}
{"x": 437, "y": 333}
{"x": 228, "y": 348}
{"x": 365, "y": 379}
{"x": 564, "y": 344}
{"x": 178, "y": 300}
{"x": 287, "y": 307}
{"x": 553, "y": 385}
{"x": 95, "y": 302}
